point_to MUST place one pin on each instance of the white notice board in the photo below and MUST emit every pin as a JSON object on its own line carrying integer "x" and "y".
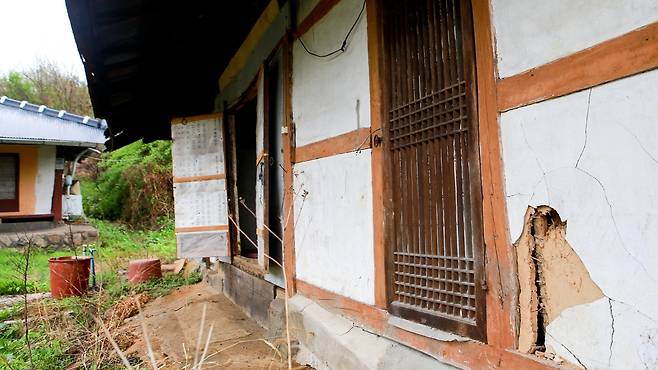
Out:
{"x": 200, "y": 200}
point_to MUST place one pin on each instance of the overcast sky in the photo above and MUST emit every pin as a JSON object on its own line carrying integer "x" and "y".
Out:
{"x": 32, "y": 29}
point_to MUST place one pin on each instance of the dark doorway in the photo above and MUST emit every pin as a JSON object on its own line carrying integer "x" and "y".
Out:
{"x": 274, "y": 98}
{"x": 245, "y": 152}
{"x": 9, "y": 182}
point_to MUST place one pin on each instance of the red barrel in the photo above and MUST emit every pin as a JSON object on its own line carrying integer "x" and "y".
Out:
{"x": 69, "y": 276}
{"x": 140, "y": 271}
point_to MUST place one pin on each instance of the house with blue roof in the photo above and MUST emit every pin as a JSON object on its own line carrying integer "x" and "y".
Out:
{"x": 36, "y": 143}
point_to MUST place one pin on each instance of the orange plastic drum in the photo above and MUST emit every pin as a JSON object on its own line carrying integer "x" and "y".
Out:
{"x": 140, "y": 271}
{"x": 69, "y": 276}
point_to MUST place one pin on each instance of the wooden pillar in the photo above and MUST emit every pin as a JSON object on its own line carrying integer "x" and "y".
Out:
{"x": 56, "y": 208}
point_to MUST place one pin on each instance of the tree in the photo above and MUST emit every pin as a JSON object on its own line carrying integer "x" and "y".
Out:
{"x": 15, "y": 85}
{"x": 48, "y": 84}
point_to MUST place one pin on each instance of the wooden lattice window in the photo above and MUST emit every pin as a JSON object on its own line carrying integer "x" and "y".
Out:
{"x": 435, "y": 234}
{"x": 8, "y": 182}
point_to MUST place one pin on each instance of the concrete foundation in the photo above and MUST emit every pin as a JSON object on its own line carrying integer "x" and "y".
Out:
{"x": 259, "y": 299}
{"x": 46, "y": 235}
{"x": 330, "y": 341}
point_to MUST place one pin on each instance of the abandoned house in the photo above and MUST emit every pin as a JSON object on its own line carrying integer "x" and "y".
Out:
{"x": 435, "y": 184}
{"x": 37, "y": 143}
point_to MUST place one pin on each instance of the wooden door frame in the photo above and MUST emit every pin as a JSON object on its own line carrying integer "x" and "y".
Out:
{"x": 230, "y": 165}
{"x": 499, "y": 267}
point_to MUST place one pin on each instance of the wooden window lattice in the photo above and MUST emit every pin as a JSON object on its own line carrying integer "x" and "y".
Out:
{"x": 436, "y": 243}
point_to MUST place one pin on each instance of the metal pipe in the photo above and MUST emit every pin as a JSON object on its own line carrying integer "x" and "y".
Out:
{"x": 75, "y": 165}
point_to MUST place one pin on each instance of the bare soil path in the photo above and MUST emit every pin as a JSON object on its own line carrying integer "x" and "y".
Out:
{"x": 173, "y": 322}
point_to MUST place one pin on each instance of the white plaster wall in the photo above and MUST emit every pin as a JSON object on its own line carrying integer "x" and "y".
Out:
{"x": 593, "y": 157}
{"x": 333, "y": 224}
{"x": 45, "y": 179}
{"x": 530, "y": 33}
{"x": 331, "y": 96}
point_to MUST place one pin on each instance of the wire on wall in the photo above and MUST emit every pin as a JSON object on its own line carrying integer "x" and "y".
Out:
{"x": 343, "y": 46}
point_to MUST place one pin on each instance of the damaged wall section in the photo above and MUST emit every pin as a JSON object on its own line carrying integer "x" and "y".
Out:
{"x": 552, "y": 277}
{"x": 591, "y": 156}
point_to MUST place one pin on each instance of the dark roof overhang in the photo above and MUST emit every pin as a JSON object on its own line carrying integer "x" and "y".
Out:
{"x": 148, "y": 61}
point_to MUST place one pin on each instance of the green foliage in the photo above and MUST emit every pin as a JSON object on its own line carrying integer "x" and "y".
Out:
{"x": 48, "y": 84}
{"x": 116, "y": 245}
{"x": 47, "y": 354}
{"x": 15, "y": 85}
{"x": 134, "y": 186}
{"x": 13, "y": 287}
{"x": 11, "y": 279}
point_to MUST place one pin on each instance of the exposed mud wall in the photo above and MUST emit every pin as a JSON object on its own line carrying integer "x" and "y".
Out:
{"x": 552, "y": 278}
{"x": 592, "y": 157}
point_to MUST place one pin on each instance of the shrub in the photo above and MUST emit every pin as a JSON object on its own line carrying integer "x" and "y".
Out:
{"x": 134, "y": 185}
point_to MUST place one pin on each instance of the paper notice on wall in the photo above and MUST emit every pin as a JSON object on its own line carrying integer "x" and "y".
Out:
{"x": 199, "y": 243}
{"x": 198, "y": 148}
{"x": 200, "y": 202}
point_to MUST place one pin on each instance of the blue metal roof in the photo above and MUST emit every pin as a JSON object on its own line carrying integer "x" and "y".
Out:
{"x": 61, "y": 114}
{"x": 23, "y": 122}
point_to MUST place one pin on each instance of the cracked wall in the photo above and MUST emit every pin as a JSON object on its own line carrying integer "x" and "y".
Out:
{"x": 592, "y": 156}
{"x": 552, "y": 278}
{"x": 333, "y": 223}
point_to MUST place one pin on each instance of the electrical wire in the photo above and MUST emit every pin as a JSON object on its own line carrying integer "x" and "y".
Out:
{"x": 343, "y": 46}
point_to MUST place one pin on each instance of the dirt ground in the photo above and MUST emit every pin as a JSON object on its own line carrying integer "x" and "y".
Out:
{"x": 173, "y": 321}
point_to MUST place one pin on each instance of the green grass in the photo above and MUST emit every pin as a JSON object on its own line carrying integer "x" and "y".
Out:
{"x": 115, "y": 247}
{"x": 49, "y": 353}
{"x": 11, "y": 262}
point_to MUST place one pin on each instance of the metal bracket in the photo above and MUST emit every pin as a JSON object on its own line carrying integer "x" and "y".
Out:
{"x": 376, "y": 140}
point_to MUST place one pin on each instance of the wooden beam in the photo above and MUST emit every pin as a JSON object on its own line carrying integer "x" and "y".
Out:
{"x": 57, "y": 195}
{"x": 192, "y": 229}
{"x": 178, "y": 180}
{"x": 623, "y": 56}
{"x": 188, "y": 119}
{"x": 345, "y": 143}
{"x": 240, "y": 58}
{"x": 288, "y": 213}
{"x": 319, "y": 11}
{"x": 499, "y": 264}
{"x": 377, "y": 117}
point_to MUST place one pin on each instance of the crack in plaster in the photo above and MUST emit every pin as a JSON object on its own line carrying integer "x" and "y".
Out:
{"x": 568, "y": 350}
{"x": 589, "y": 100}
{"x": 614, "y": 222}
{"x": 610, "y": 207}
{"x": 516, "y": 195}
{"x": 634, "y": 309}
{"x": 612, "y": 333}
{"x": 348, "y": 330}
{"x": 543, "y": 170}
{"x": 644, "y": 149}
